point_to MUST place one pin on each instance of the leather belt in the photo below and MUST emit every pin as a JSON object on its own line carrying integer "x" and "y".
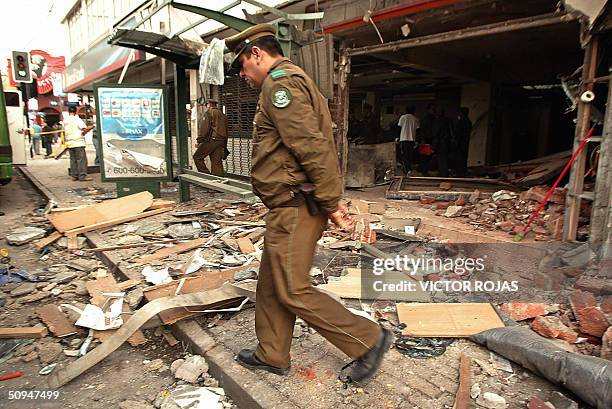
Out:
{"x": 296, "y": 201}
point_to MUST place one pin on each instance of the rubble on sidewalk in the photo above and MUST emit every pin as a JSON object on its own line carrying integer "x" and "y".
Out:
{"x": 507, "y": 211}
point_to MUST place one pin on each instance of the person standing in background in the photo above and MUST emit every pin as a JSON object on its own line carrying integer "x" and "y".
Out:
{"x": 36, "y": 138}
{"x": 409, "y": 124}
{"x": 75, "y": 130}
{"x": 47, "y": 138}
{"x": 212, "y": 140}
{"x": 425, "y": 139}
{"x": 441, "y": 139}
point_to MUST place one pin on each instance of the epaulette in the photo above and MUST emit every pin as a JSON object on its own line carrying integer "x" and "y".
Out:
{"x": 277, "y": 74}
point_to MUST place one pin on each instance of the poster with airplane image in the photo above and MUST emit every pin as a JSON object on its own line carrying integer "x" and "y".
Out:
{"x": 132, "y": 125}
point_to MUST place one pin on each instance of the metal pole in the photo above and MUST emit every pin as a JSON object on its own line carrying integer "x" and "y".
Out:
{"x": 182, "y": 141}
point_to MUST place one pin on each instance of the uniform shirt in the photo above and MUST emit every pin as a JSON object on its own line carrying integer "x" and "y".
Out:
{"x": 409, "y": 124}
{"x": 212, "y": 126}
{"x": 293, "y": 141}
{"x": 73, "y": 125}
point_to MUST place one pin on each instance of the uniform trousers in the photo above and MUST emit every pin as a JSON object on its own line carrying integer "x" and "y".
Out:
{"x": 78, "y": 162}
{"x": 213, "y": 148}
{"x": 284, "y": 291}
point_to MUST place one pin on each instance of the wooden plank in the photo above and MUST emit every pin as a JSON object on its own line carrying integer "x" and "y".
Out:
{"x": 124, "y": 285}
{"x": 542, "y": 173}
{"x": 45, "y": 241}
{"x": 170, "y": 339}
{"x": 73, "y": 242}
{"x": 583, "y": 123}
{"x": 447, "y": 320}
{"x": 245, "y": 245}
{"x": 101, "y": 212}
{"x": 208, "y": 299}
{"x": 207, "y": 281}
{"x": 168, "y": 251}
{"x": 113, "y": 222}
{"x": 601, "y": 218}
{"x": 462, "y": 399}
{"x": 350, "y": 286}
{"x": 257, "y": 234}
{"x": 66, "y": 209}
{"x": 23, "y": 332}
{"x": 161, "y": 203}
{"x": 55, "y": 320}
{"x": 129, "y": 246}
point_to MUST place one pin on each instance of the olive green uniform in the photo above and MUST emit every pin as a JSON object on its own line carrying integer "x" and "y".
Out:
{"x": 293, "y": 144}
{"x": 212, "y": 140}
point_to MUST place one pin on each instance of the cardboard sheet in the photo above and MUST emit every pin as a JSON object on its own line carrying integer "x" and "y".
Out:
{"x": 447, "y": 320}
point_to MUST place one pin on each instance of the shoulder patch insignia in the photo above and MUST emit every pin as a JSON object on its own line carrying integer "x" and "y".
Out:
{"x": 281, "y": 97}
{"x": 277, "y": 73}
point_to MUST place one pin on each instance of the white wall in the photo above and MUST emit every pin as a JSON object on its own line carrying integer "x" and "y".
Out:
{"x": 477, "y": 97}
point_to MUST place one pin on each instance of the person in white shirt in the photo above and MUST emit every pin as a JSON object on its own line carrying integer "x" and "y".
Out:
{"x": 74, "y": 136}
{"x": 409, "y": 124}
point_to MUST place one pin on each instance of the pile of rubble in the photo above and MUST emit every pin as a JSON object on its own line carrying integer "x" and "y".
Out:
{"x": 583, "y": 324}
{"x": 509, "y": 212}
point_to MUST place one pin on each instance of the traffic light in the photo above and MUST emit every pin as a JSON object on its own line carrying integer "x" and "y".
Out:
{"x": 21, "y": 66}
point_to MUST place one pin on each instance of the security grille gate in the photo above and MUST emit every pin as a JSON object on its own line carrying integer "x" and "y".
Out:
{"x": 240, "y": 103}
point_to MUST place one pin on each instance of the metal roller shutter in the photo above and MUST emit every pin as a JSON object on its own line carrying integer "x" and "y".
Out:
{"x": 240, "y": 103}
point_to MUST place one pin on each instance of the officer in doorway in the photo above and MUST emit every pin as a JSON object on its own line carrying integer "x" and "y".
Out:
{"x": 212, "y": 139}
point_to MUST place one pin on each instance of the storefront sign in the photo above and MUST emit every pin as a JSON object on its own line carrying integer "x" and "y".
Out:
{"x": 99, "y": 61}
{"x": 45, "y": 69}
{"x": 132, "y": 125}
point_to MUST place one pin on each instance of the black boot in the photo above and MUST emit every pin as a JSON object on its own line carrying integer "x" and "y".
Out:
{"x": 248, "y": 359}
{"x": 365, "y": 367}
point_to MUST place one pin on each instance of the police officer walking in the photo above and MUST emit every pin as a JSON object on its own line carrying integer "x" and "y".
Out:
{"x": 212, "y": 140}
{"x": 296, "y": 174}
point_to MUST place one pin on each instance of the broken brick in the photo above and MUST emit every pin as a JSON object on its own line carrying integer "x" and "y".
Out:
{"x": 426, "y": 199}
{"x": 554, "y": 226}
{"x": 473, "y": 199}
{"x": 540, "y": 230}
{"x": 606, "y": 345}
{"x": 549, "y": 281}
{"x": 442, "y": 205}
{"x": 579, "y": 300}
{"x": 505, "y": 225}
{"x": 570, "y": 271}
{"x": 453, "y": 211}
{"x": 445, "y": 186}
{"x": 552, "y": 327}
{"x": 537, "y": 403}
{"x": 592, "y": 321}
{"x": 460, "y": 201}
{"x": 606, "y": 305}
{"x": 432, "y": 277}
{"x": 594, "y": 285}
{"x": 520, "y": 311}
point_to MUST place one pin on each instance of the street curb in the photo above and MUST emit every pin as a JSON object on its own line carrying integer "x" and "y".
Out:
{"x": 40, "y": 188}
{"x": 109, "y": 260}
{"x": 242, "y": 385}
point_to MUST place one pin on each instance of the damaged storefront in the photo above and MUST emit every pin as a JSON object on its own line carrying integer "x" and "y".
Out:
{"x": 519, "y": 71}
